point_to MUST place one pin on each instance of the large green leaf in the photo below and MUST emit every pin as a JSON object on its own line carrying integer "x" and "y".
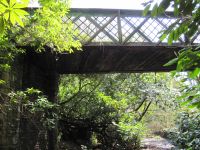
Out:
{"x": 12, "y": 3}
{"x": 12, "y": 18}
{"x": 164, "y": 35}
{"x": 12, "y": 11}
{"x": 171, "y": 38}
{"x": 195, "y": 73}
{"x": 171, "y": 62}
{"x": 154, "y": 10}
{"x": 146, "y": 10}
{"x": 4, "y": 3}
{"x": 18, "y": 20}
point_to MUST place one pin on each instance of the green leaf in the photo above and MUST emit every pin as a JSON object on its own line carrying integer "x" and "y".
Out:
{"x": 12, "y": 2}
{"x": 165, "y": 4}
{"x": 195, "y": 73}
{"x": 154, "y": 12}
{"x": 171, "y": 62}
{"x": 146, "y": 10}
{"x": 160, "y": 10}
{"x": 21, "y": 12}
{"x": 176, "y": 35}
{"x": 2, "y": 82}
{"x": 12, "y": 12}
{"x": 176, "y": 10}
{"x": 193, "y": 105}
{"x": 4, "y": 3}
{"x": 23, "y": 4}
{"x": 185, "y": 102}
{"x": 19, "y": 21}
{"x": 6, "y": 16}
{"x": 2, "y": 9}
{"x": 12, "y": 18}
{"x": 163, "y": 37}
{"x": 171, "y": 38}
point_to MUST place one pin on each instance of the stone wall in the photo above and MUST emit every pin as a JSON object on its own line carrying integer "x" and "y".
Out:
{"x": 37, "y": 71}
{"x": 10, "y": 119}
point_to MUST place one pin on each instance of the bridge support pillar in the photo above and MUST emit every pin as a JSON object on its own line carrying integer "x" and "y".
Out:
{"x": 39, "y": 72}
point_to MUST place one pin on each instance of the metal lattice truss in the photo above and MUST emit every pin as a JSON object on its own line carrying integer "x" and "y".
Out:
{"x": 120, "y": 27}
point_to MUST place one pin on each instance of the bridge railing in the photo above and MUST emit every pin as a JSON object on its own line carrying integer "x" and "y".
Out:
{"x": 121, "y": 27}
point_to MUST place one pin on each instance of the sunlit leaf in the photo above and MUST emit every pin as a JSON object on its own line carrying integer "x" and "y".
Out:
{"x": 4, "y": 3}
{"x": 19, "y": 20}
{"x": 12, "y": 18}
{"x": 6, "y": 16}
{"x": 12, "y": 2}
{"x": 21, "y": 12}
{"x": 23, "y": 4}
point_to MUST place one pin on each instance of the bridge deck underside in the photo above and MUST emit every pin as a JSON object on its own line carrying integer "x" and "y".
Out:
{"x": 109, "y": 59}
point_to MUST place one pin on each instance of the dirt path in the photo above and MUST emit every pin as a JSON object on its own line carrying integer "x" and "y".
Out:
{"x": 156, "y": 144}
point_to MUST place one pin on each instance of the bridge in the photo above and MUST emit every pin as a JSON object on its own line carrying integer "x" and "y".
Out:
{"x": 113, "y": 41}
{"x": 119, "y": 41}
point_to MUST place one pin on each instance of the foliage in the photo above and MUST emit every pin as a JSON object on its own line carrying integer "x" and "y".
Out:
{"x": 187, "y": 22}
{"x": 189, "y": 91}
{"x": 116, "y": 101}
{"x": 45, "y": 26}
{"x": 187, "y": 15}
{"x": 21, "y": 28}
{"x": 187, "y": 135}
{"x": 11, "y": 12}
{"x": 49, "y": 26}
{"x": 110, "y": 106}
{"x": 33, "y": 105}
{"x": 159, "y": 121}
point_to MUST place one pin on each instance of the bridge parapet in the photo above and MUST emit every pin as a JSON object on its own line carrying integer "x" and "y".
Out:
{"x": 121, "y": 27}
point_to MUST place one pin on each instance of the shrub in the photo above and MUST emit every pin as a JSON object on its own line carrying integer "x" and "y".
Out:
{"x": 187, "y": 134}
